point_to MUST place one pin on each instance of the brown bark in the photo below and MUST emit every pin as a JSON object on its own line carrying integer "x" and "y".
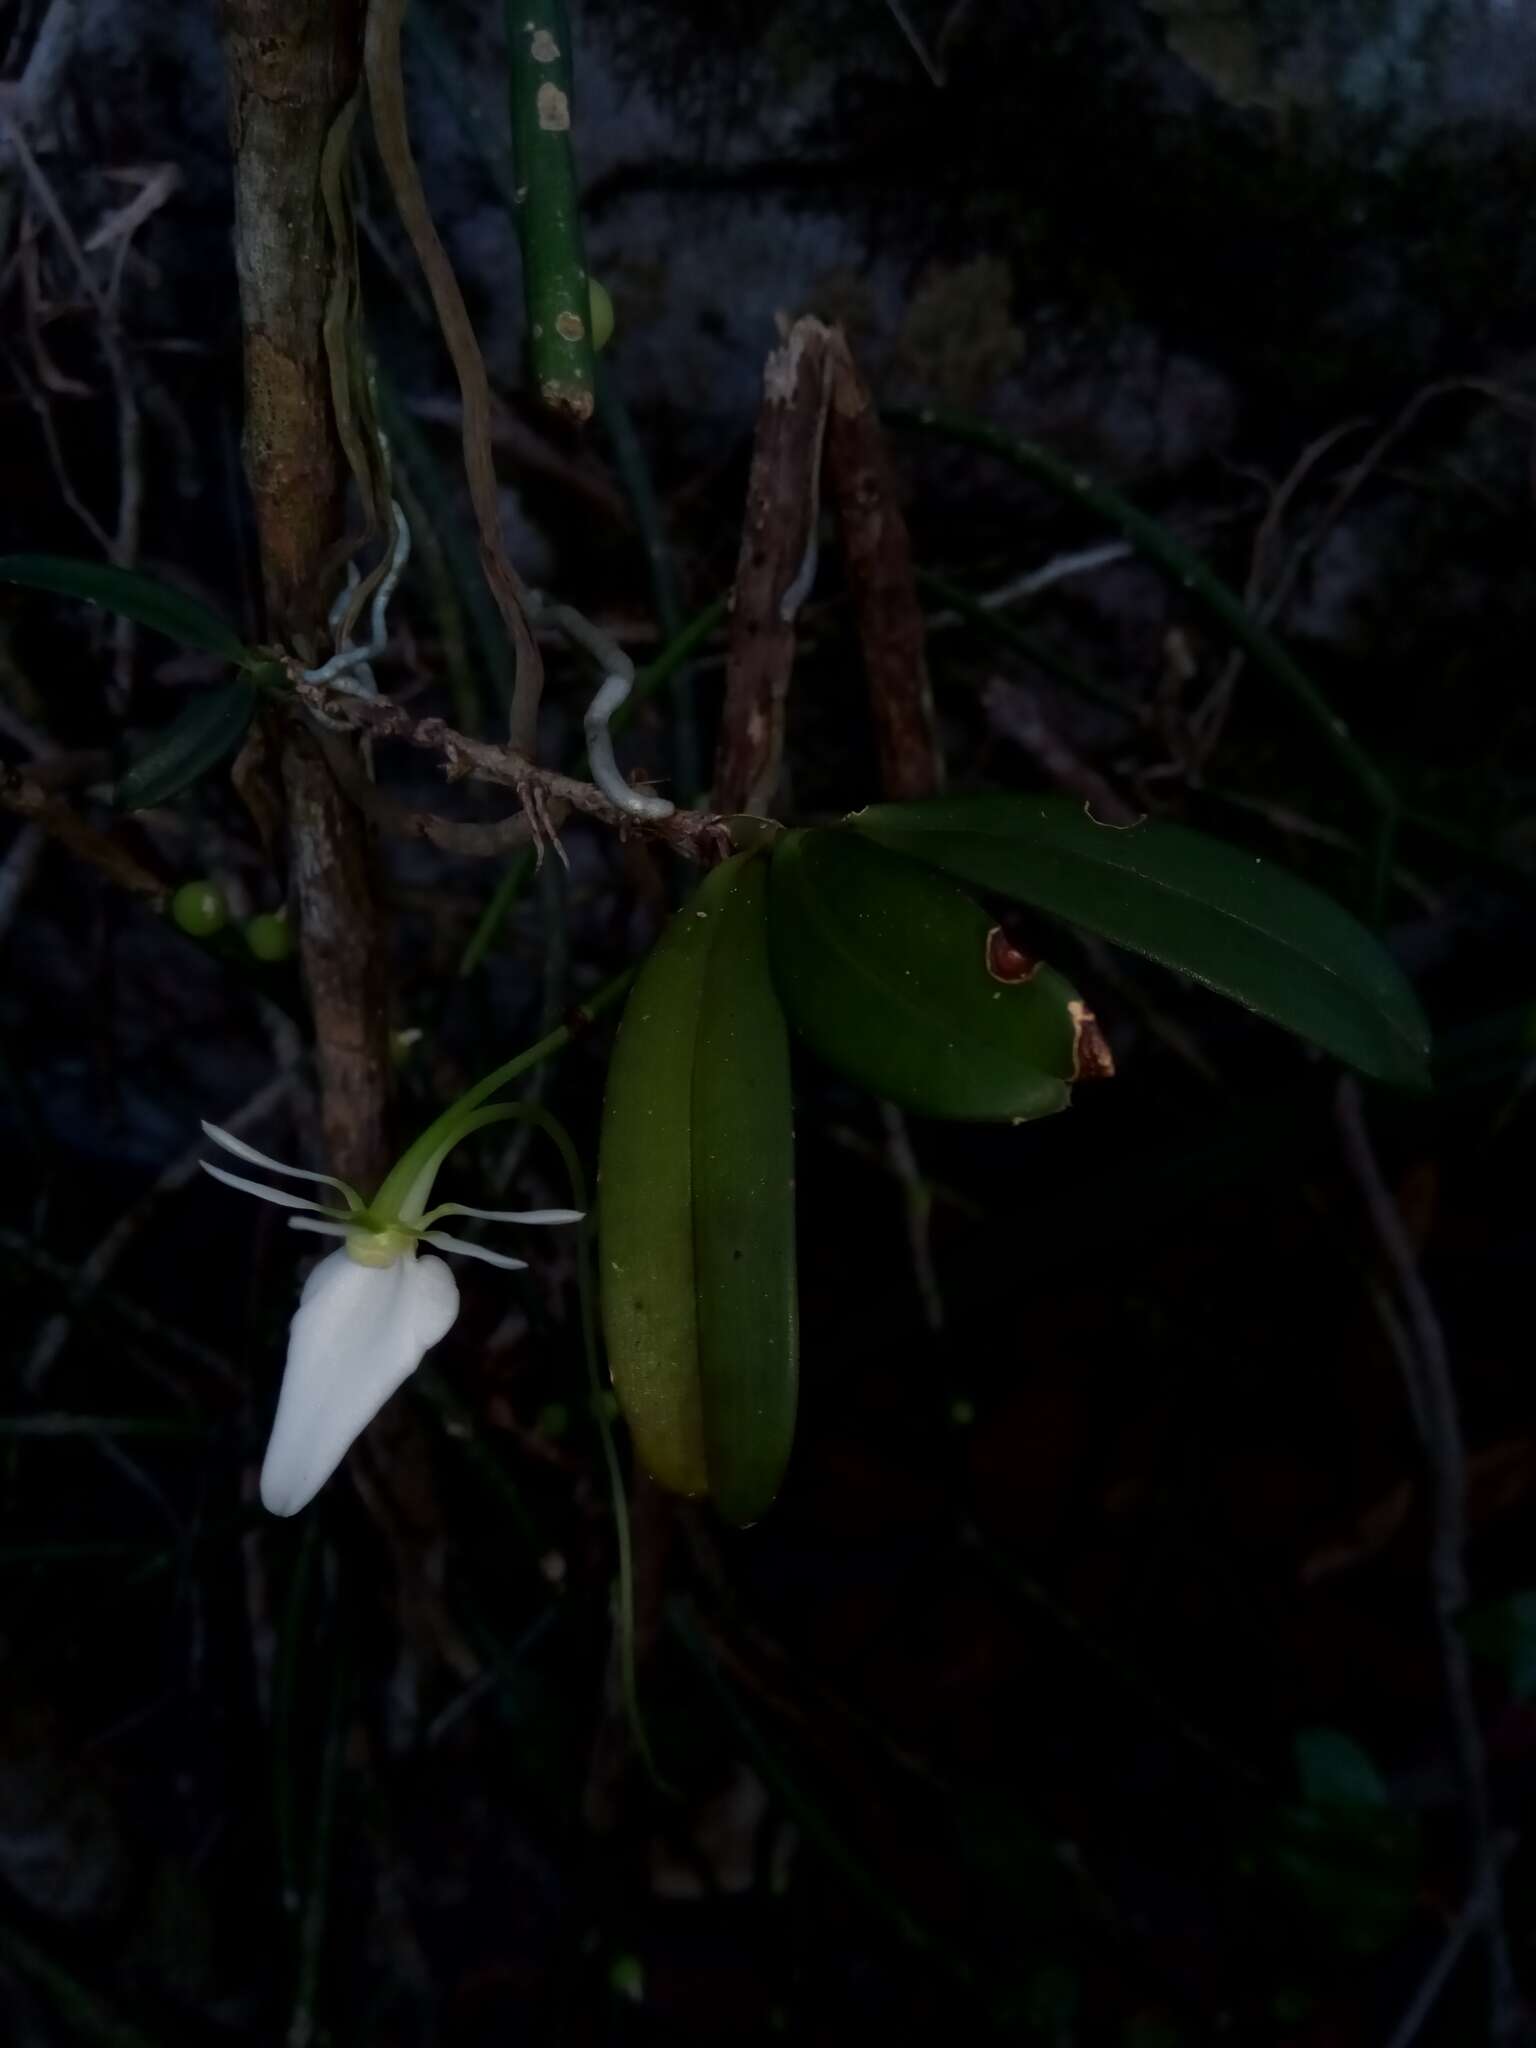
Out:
{"x": 292, "y": 66}
{"x": 778, "y": 535}
{"x": 877, "y": 559}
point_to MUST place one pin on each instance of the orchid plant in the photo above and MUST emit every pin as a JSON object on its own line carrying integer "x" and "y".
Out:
{"x": 373, "y": 1308}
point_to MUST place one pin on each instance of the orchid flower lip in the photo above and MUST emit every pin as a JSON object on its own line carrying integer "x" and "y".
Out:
{"x": 359, "y": 1334}
{"x": 370, "y": 1309}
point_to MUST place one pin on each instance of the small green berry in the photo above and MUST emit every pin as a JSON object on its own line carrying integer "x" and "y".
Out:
{"x": 199, "y": 908}
{"x": 270, "y": 936}
{"x": 602, "y": 313}
{"x": 626, "y": 1977}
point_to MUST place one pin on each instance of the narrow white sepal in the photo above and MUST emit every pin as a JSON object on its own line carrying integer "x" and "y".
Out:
{"x": 255, "y": 1187}
{"x": 445, "y": 1243}
{"x": 322, "y": 1229}
{"x": 504, "y": 1215}
{"x": 254, "y": 1158}
{"x": 359, "y": 1333}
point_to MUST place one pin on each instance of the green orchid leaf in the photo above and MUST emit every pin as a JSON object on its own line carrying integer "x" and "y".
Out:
{"x": 744, "y": 1212}
{"x": 901, "y": 981}
{"x": 197, "y": 739}
{"x": 1335, "y": 1771}
{"x": 696, "y": 1205}
{"x": 1240, "y": 925}
{"x": 133, "y": 596}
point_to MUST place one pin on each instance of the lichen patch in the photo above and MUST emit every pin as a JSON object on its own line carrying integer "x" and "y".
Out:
{"x": 554, "y": 108}
{"x": 543, "y": 49}
{"x": 574, "y": 400}
{"x": 569, "y": 326}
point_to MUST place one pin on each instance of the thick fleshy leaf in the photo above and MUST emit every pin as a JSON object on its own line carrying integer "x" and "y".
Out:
{"x": 900, "y": 980}
{"x": 132, "y": 596}
{"x": 744, "y": 1212}
{"x": 645, "y": 1199}
{"x": 359, "y": 1333}
{"x": 696, "y": 1215}
{"x": 1239, "y": 924}
{"x": 197, "y": 739}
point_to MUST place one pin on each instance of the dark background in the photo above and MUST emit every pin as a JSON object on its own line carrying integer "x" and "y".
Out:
{"x": 1084, "y": 1685}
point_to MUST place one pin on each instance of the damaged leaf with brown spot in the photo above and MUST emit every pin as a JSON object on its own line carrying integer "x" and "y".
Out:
{"x": 1243, "y": 926}
{"x": 904, "y": 983}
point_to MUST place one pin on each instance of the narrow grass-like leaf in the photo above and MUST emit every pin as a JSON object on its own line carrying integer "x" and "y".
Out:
{"x": 1242, "y": 926}
{"x": 132, "y": 596}
{"x": 197, "y": 739}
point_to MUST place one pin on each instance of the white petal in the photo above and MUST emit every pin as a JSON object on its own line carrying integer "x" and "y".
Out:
{"x": 505, "y": 1215}
{"x": 445, "y": 1243}
{"x": 254, "y": 1158}
{"x": 255, "y": 1187}
{"x": 359, "y": 1333}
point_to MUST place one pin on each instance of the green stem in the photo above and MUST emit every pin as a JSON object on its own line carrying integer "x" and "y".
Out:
{"x": 635, "y": 480}
{"x": 533, "y": 1113}
{"x": 671, "y": 658}
{"x": 555, "y": 285}
{"x": 446, "y": 1130}
{"x": 496, "y": 912}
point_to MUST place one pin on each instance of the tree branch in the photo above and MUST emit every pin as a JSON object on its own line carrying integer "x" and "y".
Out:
{"x": 776, "y": 567}
{"x": 877, "y": 560}
{"x": 292, "y": 65}
{"x": 544, "y": 793}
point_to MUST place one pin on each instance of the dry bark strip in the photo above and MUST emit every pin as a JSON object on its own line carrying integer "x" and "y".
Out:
{"x": 877, "y": 560}
{"x": 27, "y": 796}
{"x": 775, "y": 567}
{"x": 292, "y": 65}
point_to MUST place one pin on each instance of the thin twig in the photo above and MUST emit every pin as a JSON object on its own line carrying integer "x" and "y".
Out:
{"x": 93, "y": 1270}
{"x": 27, "y": 797}
{"x": 386, "y": 96}
{"x": 130, "y": 1314}
{"x": 17, "y": 870}
{"x": 1030, "y": 582}
{"x": 919, "y": 48}
{"x": 479, "y": 840}
{"x": 542, "y": 790}
{"x": 1425, "y": 1364}
{"x": 125, "y": 544}
{"x": 1265, "y": 595}
{"x": 1014, "y": 711}
{"x": 1473, "y": 1913}
{"x": 30, "y": 100}
{"x": 918, "y": 1199}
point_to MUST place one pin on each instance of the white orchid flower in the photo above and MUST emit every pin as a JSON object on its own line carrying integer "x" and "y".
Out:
{"x": 372, "y": 1309}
